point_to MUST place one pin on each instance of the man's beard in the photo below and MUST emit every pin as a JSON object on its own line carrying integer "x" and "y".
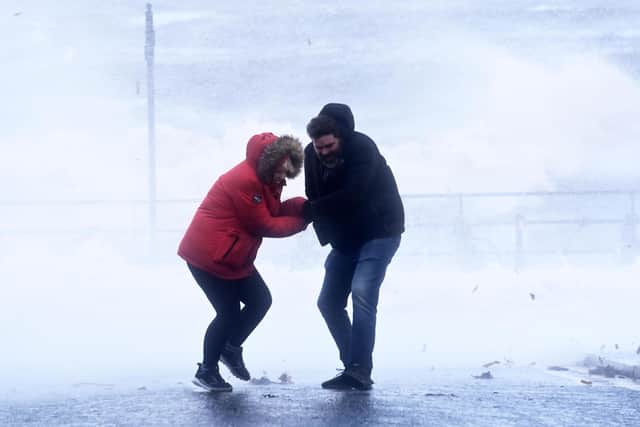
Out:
{"x": 332, "y": 161}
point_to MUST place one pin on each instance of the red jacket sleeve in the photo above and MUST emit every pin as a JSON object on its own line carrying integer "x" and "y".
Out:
{"x": 292, "y": 207}
{"x": 249, "y": 202}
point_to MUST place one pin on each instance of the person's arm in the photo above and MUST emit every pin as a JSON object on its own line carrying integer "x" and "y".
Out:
{"x": 251, "y": 209}
{"x": 310, "y": 166}
{"x": 292, "y": 207}
{"x": 358, "y": 176}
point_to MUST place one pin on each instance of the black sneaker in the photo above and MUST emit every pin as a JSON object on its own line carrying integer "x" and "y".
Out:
{"x": 209, "y": 379}
{"x": 231, "y": 356}
{"x": 358, "y": 377}
{"x": 338, "y": 382}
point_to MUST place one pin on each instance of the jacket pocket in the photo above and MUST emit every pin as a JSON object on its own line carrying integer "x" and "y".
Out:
{"x": 235, "y": 250}
{"x": 226, "y": 244}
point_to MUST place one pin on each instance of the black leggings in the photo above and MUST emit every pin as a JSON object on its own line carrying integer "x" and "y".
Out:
{"x": 231, "y": 324}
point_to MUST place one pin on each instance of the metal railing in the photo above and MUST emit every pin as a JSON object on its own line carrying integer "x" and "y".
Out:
{"x": 511, "y": 227}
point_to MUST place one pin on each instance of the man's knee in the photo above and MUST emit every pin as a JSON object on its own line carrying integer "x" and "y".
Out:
{"x": 327, "y": 304}
{"x": 322, "y": 304}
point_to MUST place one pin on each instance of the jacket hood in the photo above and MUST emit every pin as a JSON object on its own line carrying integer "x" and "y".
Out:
{"x": 266, "y": 151}
{"x": 343, "y": 116}
{"x": 283, "y": 148}
{"x": 256, "y": 145}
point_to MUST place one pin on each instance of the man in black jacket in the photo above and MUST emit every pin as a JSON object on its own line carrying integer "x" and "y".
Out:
{"x": 354, "y": 204}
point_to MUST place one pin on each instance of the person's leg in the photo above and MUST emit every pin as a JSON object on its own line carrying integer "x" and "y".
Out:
{"x": 221, "y": 294}
{"x": 255, "y": 296}
{"x": 224, "y": 297}
{"x": 373, "y": 260}
{"x": 333, "y": 298}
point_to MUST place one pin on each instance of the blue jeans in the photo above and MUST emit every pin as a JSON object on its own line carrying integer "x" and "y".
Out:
{"x": 359, "y": 273}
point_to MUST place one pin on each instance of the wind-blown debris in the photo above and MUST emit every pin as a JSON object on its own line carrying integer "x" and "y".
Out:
{"x": 495, "y": 362}
{"x": 605, "y": 371}
{"x": 484, "y": 376}
{"x": 263, "y": 380}
{"x": 610, "y": 368}
{"x": 440, "y": 395}
{"x": 285, "y": 378}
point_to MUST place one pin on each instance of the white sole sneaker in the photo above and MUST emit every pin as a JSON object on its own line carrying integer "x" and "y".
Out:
{"x": 207, "y": 387}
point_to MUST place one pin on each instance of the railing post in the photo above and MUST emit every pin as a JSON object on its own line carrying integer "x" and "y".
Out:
{"x": 519, "y": 257}
{"x": 629, "y": 241}
{"x": 150, "y": 40}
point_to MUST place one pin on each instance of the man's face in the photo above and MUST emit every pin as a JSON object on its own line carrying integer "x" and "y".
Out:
{"x": 327, "y": 148}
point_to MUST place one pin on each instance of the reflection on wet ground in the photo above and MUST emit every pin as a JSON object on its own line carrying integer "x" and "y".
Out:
{"x": 468, "y": 402}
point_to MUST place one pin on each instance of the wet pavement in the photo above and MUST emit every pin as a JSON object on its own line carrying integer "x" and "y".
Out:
{"x": 506, "y": 400}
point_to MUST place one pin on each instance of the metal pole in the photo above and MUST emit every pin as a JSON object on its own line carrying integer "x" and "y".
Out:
{"x": 150, "y": 41}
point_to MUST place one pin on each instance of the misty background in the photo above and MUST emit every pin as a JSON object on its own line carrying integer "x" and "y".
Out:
{"x": 465, "y": 100}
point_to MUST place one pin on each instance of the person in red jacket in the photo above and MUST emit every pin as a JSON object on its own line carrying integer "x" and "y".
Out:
{"x": 222, "y": 242}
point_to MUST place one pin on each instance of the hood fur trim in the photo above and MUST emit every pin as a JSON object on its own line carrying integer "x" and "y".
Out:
{"x": 284, "y": 146}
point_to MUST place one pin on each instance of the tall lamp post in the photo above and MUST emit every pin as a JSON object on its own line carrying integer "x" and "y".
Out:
{"x": 150, "y": 41}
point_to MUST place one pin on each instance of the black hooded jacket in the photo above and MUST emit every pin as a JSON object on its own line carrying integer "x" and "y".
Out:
{"x": 357, "y": 201}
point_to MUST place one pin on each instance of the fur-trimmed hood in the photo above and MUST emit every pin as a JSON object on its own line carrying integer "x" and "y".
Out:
{"x": 266, "y": 151}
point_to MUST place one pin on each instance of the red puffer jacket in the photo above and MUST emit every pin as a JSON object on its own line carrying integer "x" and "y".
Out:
{"x": 240, "y": 209}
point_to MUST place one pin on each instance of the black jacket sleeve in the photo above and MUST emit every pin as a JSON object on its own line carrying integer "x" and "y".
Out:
{"x": 310, "y": 167}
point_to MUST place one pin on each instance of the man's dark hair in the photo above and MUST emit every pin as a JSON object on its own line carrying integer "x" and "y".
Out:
{"x": 321, "y": 126}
